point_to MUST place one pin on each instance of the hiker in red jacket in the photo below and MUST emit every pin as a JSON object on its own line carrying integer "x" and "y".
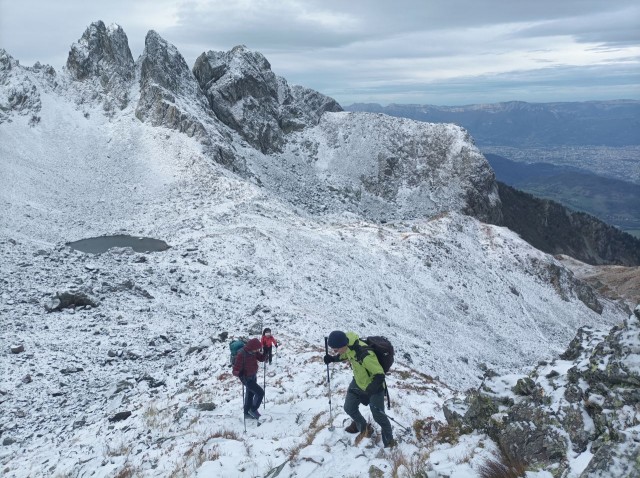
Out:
{"x": 246, "y": 368}
{"x": 268, "y": 341}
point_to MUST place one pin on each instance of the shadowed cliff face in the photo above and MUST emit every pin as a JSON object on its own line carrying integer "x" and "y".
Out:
{"x": 553, "y": 228}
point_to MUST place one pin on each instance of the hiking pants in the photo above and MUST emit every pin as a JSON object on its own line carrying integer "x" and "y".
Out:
{"x": 268, "y": 353}
{"x": 355, "y": 397}
{"x": 253, "y": 395}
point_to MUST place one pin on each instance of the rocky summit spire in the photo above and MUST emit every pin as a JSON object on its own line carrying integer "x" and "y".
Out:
{"x": 169, "y": 94}
{"x": 246, "y": 95}
{"x": 103, "y": 53}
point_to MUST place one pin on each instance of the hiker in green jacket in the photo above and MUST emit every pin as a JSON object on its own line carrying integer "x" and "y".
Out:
{"x": 367, "y": 386}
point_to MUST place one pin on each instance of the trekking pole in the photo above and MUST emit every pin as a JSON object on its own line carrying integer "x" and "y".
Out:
{"x": 264, "y": 384}
{"x": 244, "y": 417}
{"x": 326, "y": 349}
{"x": 391, "y": 418}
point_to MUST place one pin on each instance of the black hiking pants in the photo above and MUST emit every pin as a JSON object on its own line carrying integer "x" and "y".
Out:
{"x": 268, "y": 353}
{"x": 253, "y": 395}
{"x": 356, "y": 397}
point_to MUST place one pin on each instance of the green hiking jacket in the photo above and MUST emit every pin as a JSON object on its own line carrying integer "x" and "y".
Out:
{"x": 364, "y": 371}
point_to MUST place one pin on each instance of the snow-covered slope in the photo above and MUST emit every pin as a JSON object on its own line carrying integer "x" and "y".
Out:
{"x": 453, "y": 294}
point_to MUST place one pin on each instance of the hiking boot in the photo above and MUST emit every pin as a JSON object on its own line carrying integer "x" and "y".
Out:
{"x": 367, "y": 432}
{"x": 392, "y": 444}
{"x": 254, "y": 414}
{"x": 353, "y": 428}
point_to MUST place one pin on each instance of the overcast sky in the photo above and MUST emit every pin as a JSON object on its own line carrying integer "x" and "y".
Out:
{"x": 443, "y": 52}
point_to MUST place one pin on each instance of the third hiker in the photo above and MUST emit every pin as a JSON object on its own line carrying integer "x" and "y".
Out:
{"x": 268, "y": 341}
{"x": 245, "y": 368}
{"x": 367, "y": 386}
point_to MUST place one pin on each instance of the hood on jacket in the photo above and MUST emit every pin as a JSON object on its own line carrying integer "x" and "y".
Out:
{"x": 253, "y": 345}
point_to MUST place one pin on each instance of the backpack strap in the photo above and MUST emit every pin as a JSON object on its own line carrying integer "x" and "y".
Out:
{"x": 361, "y": 351}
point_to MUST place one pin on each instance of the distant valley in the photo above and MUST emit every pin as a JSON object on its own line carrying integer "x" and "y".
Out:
{"x": 614, "y": 201}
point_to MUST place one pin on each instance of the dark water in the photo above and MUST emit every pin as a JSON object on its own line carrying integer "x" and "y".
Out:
{"x": 98, "y": 245}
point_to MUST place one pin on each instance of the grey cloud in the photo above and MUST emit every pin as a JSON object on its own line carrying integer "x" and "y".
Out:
{"x": 616, "y": 27}
{"x": 367, "y": 50}
{"x": 564, "y": 83}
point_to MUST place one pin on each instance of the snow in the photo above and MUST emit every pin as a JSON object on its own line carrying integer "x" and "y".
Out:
{"x": 440, "y": 288}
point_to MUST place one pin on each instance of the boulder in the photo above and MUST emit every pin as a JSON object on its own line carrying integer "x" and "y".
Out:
{"x": 67, "y": 299}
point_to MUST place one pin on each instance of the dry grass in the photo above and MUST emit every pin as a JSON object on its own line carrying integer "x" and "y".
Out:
{"x": 120, "y": 449}
{"x": 447, "y": 434}
{"x": 127, "y": 472}
{"x": 502, "y": 466}
{"x": 466, "y": 458}
{"x": 416, "y": 467}
{"x": 192, "y": 459}
{"x": 226, "y": 434}
{"x": 424, "y": 428}
{"x": 314, "y": 428}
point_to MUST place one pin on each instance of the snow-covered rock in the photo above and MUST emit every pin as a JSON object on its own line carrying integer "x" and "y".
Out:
{"x": 577, "y": 415}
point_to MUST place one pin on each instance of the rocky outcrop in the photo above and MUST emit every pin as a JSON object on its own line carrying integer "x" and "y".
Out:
{"x": 586, "y": 402}
{"x": 18, "y": 93}
{"x": 566, "y": 284}
{"x": 388, "y": 168}
{"x": 102, "y": 56}
{"x": 247, "y": 96}
{"x": 170, "y": 97}
{"x": 165, "y": 76}
{"x": 554, "y": 229}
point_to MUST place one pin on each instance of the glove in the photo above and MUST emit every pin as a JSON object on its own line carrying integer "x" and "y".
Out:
{"x": 328, "y": 359}
{"x": 376, "y": 384}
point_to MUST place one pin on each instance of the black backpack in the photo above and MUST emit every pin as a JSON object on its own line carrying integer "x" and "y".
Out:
{"x": 381, "y": 347}
{"x": 383, "y": 350}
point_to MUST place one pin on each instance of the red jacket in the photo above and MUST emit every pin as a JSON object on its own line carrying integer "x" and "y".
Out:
{"x": 246, "y": 363}
{"x": 268, "y": 341}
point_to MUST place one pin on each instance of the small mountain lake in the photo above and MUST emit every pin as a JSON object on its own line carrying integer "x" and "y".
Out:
{"x": 98, "y": 245}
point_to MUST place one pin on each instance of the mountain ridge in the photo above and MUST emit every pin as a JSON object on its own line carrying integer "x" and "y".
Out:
{"x": 522, "y": 124}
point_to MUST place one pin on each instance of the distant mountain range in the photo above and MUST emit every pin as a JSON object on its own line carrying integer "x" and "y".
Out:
{"x": 525, "y": 125}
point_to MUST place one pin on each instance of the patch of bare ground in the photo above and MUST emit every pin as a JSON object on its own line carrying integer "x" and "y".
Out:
{"x": 613, "y": 282}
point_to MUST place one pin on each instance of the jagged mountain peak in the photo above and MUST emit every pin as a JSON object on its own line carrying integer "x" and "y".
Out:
{"x": 170, "y": 95}
{"x": 101, "y": 51}
{"x": 161, "y": 63}
{"x": 103, "y": 54}
{"x": 249, "y": 97}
